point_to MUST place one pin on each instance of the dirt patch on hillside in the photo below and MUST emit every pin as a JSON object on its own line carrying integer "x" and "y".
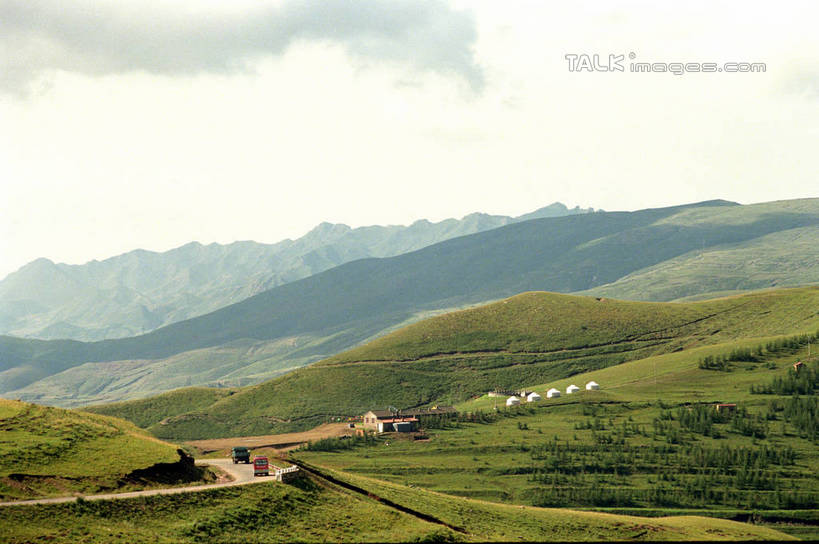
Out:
{"x": 280, "y": 442}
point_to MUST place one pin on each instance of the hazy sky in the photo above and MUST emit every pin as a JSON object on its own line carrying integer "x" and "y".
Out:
{"x": 127, "y": 124}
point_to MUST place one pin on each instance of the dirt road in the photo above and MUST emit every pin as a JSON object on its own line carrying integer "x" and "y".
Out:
{"x": 280, "y": 442}
{"x": 242, "y": 474}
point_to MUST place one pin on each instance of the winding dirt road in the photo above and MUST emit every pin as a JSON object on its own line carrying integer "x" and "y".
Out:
{"x": 242, "y": 474}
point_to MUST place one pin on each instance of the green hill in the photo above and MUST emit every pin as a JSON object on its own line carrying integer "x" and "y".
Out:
{"x": 525, "y": 340}
{"x": 337, "y": 309}
{"x": 140, "y": 291}
{"x": 51, "y": 451}
{"x": 310, "y": 511}
{"x": 649, "y": 443}
{"x": 783, "y": 258}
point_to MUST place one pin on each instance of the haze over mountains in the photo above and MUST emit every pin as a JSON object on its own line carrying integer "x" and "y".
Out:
{"x": 318, "y": 316}
{"x": 140, "y": 291}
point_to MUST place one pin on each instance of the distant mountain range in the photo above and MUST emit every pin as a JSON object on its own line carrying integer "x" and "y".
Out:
{"x": 140, "y": 291}
{"x": 682, "y": 251}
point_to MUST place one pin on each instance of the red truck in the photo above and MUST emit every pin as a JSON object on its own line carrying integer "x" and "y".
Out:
{"x": 261, "y": 467}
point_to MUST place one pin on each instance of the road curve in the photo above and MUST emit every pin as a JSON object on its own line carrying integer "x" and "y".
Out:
{"x": 242, "y": 474}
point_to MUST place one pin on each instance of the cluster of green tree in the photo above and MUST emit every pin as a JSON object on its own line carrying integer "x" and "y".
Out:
{"x": 692, "y": 494}
{"x": 341, "y": 443}
{"x": 803, "y": 414}
{"x": 757, "y": 353}
{"x": 699, "y": 418}
{"x": 702, "y": 419}
{"x": 805, "y": 381}
{"x": 662, "y": 475}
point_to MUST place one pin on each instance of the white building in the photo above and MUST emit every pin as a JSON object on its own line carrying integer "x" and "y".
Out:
{"x": 552, "y": 393}
{"x": 512, "y": 401}
{"x": 533, "y": 397}
{"x": 592, "y": 386}
{"x": 572, "y": 389}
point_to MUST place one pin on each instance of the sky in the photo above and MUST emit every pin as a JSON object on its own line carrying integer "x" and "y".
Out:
{"x": 148, "y": 124}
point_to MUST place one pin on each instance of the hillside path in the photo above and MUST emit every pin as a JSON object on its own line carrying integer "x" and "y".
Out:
{"x": 242, "y": 474}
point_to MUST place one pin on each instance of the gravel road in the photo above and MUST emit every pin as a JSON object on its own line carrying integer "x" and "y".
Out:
{"x": 242, "y": 475}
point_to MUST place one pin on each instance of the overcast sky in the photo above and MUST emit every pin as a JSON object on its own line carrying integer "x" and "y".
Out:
{"x": 146, "y": 124}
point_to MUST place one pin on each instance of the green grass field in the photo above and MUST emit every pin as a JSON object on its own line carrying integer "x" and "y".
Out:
{"x": 523, "y": 341}
{"x": 51, "y": 452}
{"x": 317, "y": 512}
{"x": 648, "y": 441}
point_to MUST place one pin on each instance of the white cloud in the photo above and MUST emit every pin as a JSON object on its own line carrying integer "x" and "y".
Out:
{"x": 364, "y": 127}
{"x": 38, "y": 37}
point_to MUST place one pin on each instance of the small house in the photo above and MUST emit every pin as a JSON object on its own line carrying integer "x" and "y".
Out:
{"x": 725, "y": 407}
{"x": 572, "y": 389}
{"x": 797, "y": 366}
{"x": 592, "y": 386}
{"x": 533, "y": 397}
{"x": 374, "y": 418}
{"x": 398, "y": 425}
{"x": 512, "y": 401}
{"x": 552, "y": 393}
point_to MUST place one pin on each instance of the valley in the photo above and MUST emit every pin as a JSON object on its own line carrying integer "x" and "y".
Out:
{"x": 686, "y": 251}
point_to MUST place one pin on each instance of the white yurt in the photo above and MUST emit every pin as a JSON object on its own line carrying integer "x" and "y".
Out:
{"x": 592, "y": 386}
{"x": 533, "y": 397}
{"x": 572, "y": 389}
{"x": 512, "y": 401}
{"x": 552, "y": 393}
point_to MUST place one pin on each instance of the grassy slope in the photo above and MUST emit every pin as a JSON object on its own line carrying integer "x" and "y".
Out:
{"x": 493, "y": 461}
{"x": 512, "y": 523}
{"x": 147, "y": 412}
{"x": 525, "y": 340}
{"x": 239, "y": 363}
{"x": 306, "y": 512}
{"x": 781, "y": 259}
{"x": 354, "y": 301}
{"x": 53, "y": 451}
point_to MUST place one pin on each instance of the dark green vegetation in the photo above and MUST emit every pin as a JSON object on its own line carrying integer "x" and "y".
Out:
{"x": 339, "y": 308}
{"x": 142, "y": 290}
{"x": 523, "y": 341}
{"x": 146, "y": 412}
{"x": 650, "y": 442}
{"x": 51, "y": 451}
{"x": 315, "y": 511}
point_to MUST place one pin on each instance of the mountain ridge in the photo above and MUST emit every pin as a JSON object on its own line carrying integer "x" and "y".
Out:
{"x": 139, "y": 291}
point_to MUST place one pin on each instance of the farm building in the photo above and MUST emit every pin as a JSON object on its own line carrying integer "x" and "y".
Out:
{"x": 374, "y": 417}
{"x": 592, "y": 386}
{"x": 552, "y": 393}
{"x": 398, "y": 425}
{"x": 725, "y": 407}
{"x": 572, "y": 389}
{"x": 512, "y": 401}
{"x": 797, "y": 366}
{"x": 533, "y": 397}
{"x": 385, "y": 421}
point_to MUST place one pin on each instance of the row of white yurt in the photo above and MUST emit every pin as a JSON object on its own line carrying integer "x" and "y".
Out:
{"x": 551, "y": 393}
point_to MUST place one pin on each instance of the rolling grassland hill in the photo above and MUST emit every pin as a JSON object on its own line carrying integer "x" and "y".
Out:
{"x": 47, "y": 451}
{"x": 140, "y": 291}
{"x": 525, "y": 340}
{"x": 314, "y": 318}
{"x": 667, "y": 435}
{"x": 784, "y": 258}
{"x": 315, "y": 510}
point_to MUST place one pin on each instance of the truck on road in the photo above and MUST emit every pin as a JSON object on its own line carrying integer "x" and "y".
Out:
{"x": 261, "y": 466}
{"x": 240, "y": 454}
